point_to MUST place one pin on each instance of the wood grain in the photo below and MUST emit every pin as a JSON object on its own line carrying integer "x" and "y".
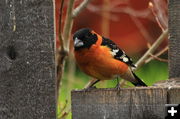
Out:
{"x": 174, "y": 42}
{"x": 174, "y": 95}
{"x": 132, "y": 103}
{"x": 27, "y": 65}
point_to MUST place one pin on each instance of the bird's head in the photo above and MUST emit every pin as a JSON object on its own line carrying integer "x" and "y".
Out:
{"x": 84, "y": 38}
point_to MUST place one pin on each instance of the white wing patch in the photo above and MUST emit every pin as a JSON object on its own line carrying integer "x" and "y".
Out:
{"x": 122, "y": 57}
{"x": 114, "y": 51}
{"x": 125, "y": 59}
{"x": 117, "y": 50}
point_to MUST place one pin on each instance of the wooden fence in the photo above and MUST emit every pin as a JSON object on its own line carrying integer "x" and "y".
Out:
{"x": 27, "y": 63}
{"x": 136, "y": 103}
{"x": 27, "y": 71}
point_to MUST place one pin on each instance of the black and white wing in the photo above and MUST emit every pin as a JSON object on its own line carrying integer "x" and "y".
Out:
{"x": 117, "y": 52}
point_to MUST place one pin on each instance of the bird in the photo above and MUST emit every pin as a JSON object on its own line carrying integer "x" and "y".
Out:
{"x": 102, "y": 59}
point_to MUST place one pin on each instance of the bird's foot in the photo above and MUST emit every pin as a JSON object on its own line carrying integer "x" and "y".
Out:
{"x": 118, "y": 87}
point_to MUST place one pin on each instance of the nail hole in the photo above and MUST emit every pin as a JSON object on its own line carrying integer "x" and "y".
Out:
{"x": 11, "y": 52}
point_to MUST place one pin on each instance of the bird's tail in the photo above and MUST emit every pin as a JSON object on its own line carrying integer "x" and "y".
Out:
{"x": 139, "y": 81}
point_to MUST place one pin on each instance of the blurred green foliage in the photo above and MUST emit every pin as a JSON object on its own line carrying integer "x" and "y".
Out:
{"x": 150, "y": 73}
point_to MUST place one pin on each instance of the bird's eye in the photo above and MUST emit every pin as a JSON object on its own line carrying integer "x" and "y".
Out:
{"x": 89, "y": 35}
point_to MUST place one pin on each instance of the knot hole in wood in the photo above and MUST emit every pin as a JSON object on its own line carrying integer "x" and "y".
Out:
{"x": 11, "y": 52}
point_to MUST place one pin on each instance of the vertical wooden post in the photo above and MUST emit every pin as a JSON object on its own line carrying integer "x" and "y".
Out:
{"x": 174, "y": 52}
{"x": 27, "y": 63}
{"x": 174, "y": 41}
{"x": 135, "y": 103}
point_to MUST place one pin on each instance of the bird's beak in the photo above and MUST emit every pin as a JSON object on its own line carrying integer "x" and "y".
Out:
{"x": 78, "y": 43}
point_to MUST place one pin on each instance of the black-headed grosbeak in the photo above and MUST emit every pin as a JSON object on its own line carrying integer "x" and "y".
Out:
{"x": 101, "y": 58}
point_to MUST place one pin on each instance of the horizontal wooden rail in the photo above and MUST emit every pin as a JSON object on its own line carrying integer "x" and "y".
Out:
{"x": 131, "y": 103}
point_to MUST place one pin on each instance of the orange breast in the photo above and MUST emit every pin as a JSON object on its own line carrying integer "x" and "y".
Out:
{"x": 99, "y": 63}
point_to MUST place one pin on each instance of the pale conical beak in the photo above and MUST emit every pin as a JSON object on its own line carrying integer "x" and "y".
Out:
{"x": 78, "y": 43}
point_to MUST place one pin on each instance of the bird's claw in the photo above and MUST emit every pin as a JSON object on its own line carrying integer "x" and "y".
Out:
{"x": 118, "y": 87}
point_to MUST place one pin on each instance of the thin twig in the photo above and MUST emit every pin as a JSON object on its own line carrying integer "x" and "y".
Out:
{"x": 64, "y": 49}
{"x": 78, "y": 9}
{"x": 60, "y": 25}
{"x": 61, "y": 52}
{"x": 148, "y": 45}
{"x": 68, "y": 25}
{"x": 71, "y": 68}
{"x": 157, "y": 58}
{"x": 157, "y": 55}
{"x": 155, "y": 45}
{"x": 127, "y": 10}
{"x": 64, "y": 107}
{"x": 65, "y": 114}
{"x": 160, "y": 7}
{"x": 151, "y": 6}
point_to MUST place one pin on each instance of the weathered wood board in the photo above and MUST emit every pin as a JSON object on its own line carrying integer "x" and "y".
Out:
{"x": 27, "y": 63}
{"x": 174, "y": 40}
{"x": 132, "y": 103}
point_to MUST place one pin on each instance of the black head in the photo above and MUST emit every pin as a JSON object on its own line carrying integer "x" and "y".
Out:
{"x": 84, "y": 38}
